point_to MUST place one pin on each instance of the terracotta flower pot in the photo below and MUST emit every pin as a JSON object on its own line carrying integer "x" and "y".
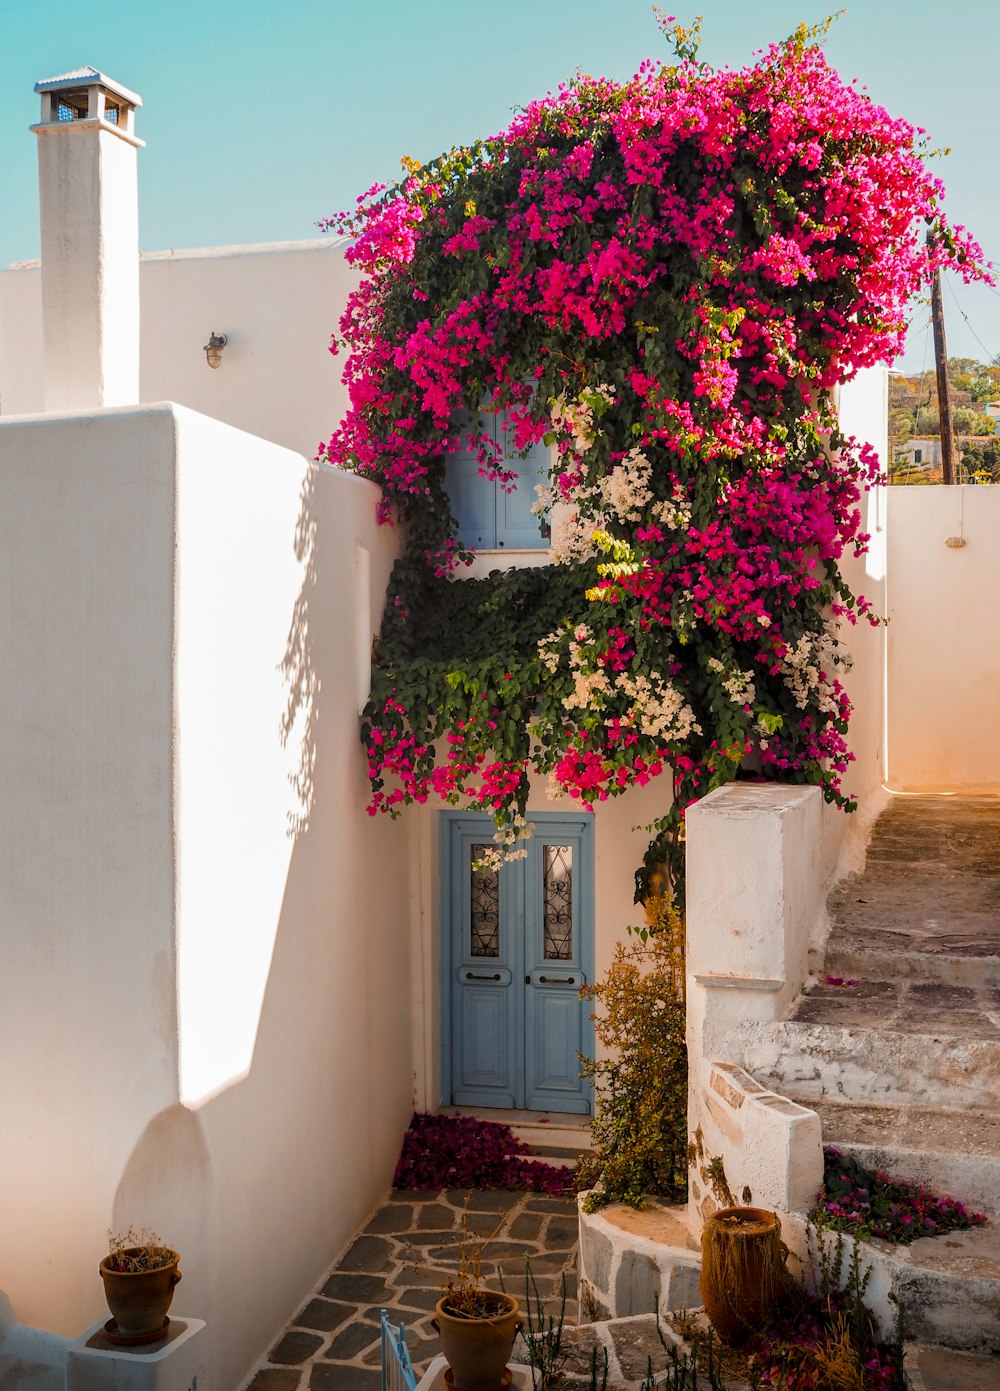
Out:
{"x": 742, "y": 1270}
{"x": 477, "y": 1349}
{"x": 139, "y": 1299}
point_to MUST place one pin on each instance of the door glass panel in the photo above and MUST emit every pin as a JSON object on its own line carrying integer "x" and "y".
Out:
{"x": 557, "y": 902}
{"x": 485, "y": 918}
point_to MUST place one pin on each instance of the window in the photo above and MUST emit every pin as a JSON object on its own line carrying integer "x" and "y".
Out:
{"x": 490, "y": 518}
{"x": 918, "y": 456}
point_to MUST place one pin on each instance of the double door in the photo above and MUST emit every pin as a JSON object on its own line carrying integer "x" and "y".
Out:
{"x": 519, "y": 946}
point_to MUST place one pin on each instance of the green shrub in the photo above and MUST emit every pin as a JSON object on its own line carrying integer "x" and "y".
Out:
{"x": 640, "y": 1129}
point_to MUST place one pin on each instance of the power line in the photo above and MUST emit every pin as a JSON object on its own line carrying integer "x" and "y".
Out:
{"x": 990, "y": 356}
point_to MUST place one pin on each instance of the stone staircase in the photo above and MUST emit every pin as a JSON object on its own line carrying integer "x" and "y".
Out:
{"x": 898, "y": 1047}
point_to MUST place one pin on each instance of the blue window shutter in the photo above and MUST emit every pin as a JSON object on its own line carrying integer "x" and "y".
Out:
{"x": 471, "y": 497}
{"x": 517, "y": 526}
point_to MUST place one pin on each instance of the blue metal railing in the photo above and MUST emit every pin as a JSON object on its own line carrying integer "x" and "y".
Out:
{"x": 397, "y": 1369}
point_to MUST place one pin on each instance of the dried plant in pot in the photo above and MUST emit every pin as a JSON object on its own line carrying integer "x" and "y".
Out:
{"x": 477, "y": 1325}
{"x": 743, "y": 1275}
{"x": 139, "y": 1275}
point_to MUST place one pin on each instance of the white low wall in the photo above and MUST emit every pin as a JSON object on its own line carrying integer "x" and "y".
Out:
{"x": 944, "y": 639}
{"x": 277, "y": 303}
{"x": 198, "y": 929}
{"x": 755, "y": 887}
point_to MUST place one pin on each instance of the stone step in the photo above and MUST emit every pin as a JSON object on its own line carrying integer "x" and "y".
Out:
{"x": 901, "y": 1005}
{"x": 889, "y": 1066}
{"x": 927, "y": 905}
{"x": 552, "y": 1137}
{"x": 934, "y": 1368}
{"x": 955, "y": 1153}
{"x": 891, "y": 956}
{"x": 949, "y": 1284}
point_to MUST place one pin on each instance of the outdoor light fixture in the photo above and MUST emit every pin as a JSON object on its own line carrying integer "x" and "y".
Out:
{"x": 213, "y": 348}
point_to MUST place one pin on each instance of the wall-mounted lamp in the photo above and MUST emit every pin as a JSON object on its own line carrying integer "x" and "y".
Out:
{"x": 213, "y": 348}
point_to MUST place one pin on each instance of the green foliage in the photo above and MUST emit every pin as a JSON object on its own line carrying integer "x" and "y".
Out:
{"x": 640, "y": 1129}
{"x": 981, "y": 462}
{"x": 543, "y": 1334}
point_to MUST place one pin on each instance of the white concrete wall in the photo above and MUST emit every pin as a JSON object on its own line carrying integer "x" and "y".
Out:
{"x": 944, "y": 639}
{"x": 278, "y": 305}
{"x": 193, "y": 945}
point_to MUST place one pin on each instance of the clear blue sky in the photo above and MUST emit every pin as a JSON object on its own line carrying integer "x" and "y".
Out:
{"x": 261, "y": 116}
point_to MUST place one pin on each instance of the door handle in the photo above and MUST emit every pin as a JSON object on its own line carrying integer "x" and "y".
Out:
{"x": 471, "y": 975}
{"x": 552, "y": 980}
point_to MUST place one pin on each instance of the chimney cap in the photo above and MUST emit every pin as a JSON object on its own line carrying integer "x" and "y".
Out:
{"x": 87, "y": 77}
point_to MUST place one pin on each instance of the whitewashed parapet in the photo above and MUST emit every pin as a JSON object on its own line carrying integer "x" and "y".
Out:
{"x": 635, "y": 1262}
{"x": 771, "y": 1148}
{"x": 756, "y": 881}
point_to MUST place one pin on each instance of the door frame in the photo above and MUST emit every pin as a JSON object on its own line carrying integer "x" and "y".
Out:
{"x": 446, "y": 933}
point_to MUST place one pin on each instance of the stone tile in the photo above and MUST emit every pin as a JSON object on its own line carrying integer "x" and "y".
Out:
{"x": 435, "y": 1238}
{"x": 561, "y": 1234}
{"x": 423, "y": 1277}
{"x": 416, "y": 1298}
{"x": 542, "y": 1262}
{"x": 579, "y": 1343}
{"x": 415, "y": 1195}
{"x": 636, "y": 1341}
{"x": 527, "y": 1227}
{"x": 539, "y": 1202}
{"x": 276, "y": 1379}
{"x": 294, "y": 1348}
{"x": 368, "y": 1253}
{"x": 434, "y": 1215}
{"x": 352, "y": 1340}
{"x": 336, "y": 1377}
{"x": 323, "y": 1314}
{"x": 485, "y": 1200}
{"x": 359, "y": 1289}
{"x": 483, "y": 1223}
{"x": 544, "y": 1287}
{"x": 395, "y": 1217}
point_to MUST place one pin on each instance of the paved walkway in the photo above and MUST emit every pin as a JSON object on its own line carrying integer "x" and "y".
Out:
{"x": 411, "y": 1246}
{"x": 401, "y": 1261}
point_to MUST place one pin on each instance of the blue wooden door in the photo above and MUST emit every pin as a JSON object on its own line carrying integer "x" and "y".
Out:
{"x": 518, "y": 946}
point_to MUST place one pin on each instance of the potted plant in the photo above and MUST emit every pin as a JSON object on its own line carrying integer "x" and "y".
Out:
{"x": 477, "y": 1325}
{"x": 139, "y": 1275}
{"x": 742, "y": 1270}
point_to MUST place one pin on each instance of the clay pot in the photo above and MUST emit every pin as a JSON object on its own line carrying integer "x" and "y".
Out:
{"x": 477, "y": 1349}
{"x": 743, "y": 1271}
{"x": 139, "y": 1299}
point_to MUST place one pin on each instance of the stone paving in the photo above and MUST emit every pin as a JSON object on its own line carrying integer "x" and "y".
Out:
{"x": 412, "y": 1245}
{"x": 401, "y": 1261}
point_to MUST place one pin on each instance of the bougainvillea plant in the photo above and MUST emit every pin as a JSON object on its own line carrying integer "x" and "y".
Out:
{"x": 665, "y": 280}
{"x": 868, "y": 1202}
{"x": 465, "y": 1152}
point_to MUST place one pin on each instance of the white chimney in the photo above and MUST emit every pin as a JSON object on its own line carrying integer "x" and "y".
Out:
{"x": 88, "y": 197}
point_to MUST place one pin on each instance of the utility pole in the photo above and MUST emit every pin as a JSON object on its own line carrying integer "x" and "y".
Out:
{"x": 943, "y": 384}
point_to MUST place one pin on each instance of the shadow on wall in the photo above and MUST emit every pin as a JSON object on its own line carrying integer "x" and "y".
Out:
{"x": 298, "y": 667}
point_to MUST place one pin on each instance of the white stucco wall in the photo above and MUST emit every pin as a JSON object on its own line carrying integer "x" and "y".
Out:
{"x": 278, "y": 305}
{"x": 944, "y": 639}
{"x": 186, "y": 970}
